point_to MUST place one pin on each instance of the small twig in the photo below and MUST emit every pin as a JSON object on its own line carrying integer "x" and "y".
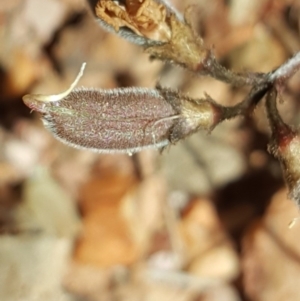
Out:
{"x": 286, "y": 70}
{"x": 247, "y": 105}
{"x": 262, "y": 83}
{"x": 280, "y": 130}
{"x": 213, "y": 68}
{"x": 274, "y": 118}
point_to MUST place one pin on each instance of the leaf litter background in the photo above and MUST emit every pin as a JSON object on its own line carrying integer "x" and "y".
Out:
{"x": 205, "y": 220}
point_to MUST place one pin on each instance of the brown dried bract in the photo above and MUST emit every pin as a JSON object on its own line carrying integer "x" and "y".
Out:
{"x": 146, "y": 18}
{"x": 184, "y": 48}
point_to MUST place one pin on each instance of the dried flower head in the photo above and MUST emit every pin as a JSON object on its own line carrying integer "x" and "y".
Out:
{"x": 156, "y": 26}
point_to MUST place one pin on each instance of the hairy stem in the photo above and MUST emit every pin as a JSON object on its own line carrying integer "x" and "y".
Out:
{"x": 210, "y": 66}
{"x": 247, "y": 105}
{"x": 286, "y": 70}
{"x": 280, "y": 130}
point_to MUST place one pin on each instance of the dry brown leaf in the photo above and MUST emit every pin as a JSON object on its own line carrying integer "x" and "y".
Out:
{"x": 271, "y": 253}
{"x": 106, "y": 240}
{"x": 209, "y": 251}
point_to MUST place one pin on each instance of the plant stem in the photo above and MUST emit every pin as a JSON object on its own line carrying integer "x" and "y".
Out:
{"x": 286, "y": 70}
{"x": 210, "y": 66}
{"x": 245, "y": 106}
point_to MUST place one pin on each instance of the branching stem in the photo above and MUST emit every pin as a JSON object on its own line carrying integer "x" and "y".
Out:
{"x": 214, "y": 69}
{"x": 286, "y": 70}
{"x": 248, "y": 104}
